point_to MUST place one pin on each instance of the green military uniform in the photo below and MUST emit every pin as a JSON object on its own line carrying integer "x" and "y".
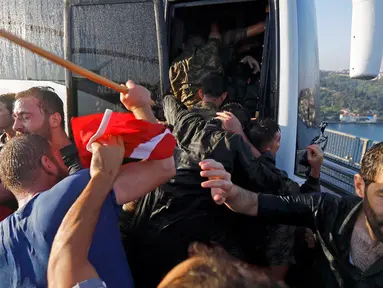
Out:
{"x": 189, "y": 70}
{"x": 197, "y": 62}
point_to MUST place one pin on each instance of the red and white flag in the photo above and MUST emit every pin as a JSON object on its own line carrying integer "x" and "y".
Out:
{"x": 143, "y": 140}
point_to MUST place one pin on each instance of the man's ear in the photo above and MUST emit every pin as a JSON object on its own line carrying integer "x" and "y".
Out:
{"x": 55, "y": 120}
{"x": 359, "y": 185}
{"x": 49, "y": 166}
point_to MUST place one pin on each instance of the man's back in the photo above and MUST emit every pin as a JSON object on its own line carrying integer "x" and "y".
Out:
{"x": 27, "y": 236}
{"x": 199, "y": 139}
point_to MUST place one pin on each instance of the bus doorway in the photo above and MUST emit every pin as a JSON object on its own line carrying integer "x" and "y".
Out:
{"x": 188, "y": 20}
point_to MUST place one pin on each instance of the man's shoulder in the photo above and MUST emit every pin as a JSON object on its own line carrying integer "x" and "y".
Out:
{"x": 45, "y": 211}
{"x": 78, "y": 178}
{"x": 66, "y": 191}
{"x": 337, "y": 206}
{"x": 336, "y": 199}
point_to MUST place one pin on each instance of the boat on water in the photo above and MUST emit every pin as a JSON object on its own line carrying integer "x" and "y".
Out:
{"x": 348, "y": 117}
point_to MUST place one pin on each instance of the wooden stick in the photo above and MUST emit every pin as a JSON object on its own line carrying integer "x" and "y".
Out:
{"x": 64, "y": 63}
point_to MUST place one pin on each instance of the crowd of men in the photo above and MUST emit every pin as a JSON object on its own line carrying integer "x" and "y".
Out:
{"x": 66, "y": 228}
{"x": 219, "y": 213}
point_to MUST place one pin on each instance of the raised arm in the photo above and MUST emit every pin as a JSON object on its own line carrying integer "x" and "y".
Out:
{"x": 139, "y": 102}
{"x": 138, "y": 179}
{"x": 68, "y": 262}
{"x": 315, "y": 159}
{"x": 234, "y": 36}
{"x": 291, "y": 210}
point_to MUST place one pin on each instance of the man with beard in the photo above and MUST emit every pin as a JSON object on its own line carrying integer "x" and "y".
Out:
{"x": 31, "y": 169}
{"x": 349, "y": 229}
{"x": 40, "y": 111}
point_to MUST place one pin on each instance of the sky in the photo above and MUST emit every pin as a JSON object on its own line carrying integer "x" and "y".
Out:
{"x": 334, "y": 33}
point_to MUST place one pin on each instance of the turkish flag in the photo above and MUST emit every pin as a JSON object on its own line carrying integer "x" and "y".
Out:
{"x": 143, "y": 140}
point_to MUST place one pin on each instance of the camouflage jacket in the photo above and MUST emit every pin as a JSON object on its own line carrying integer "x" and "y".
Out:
{"x": 188, "y": 71}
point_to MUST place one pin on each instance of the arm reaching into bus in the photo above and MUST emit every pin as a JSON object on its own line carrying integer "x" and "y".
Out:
{"x": 232, "y": 37}
{"x": 231, "y": 124}
{"x": 289, "y": 210}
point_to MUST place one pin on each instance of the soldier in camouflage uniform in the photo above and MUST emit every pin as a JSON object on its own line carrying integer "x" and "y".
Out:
{"x": 200, "y": 59}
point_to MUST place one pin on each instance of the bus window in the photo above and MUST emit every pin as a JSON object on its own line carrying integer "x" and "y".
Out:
{"x": 117, "y": 41}
{"x": 40, "y": 22}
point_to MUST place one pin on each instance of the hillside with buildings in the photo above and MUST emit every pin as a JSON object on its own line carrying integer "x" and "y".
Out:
{"x": 339, "y": 92}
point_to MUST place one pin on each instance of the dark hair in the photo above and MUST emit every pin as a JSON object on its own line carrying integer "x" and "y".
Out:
{"x": 49, "y": 102}
{"x": 21, "y": 160}
{"x": 372, "y": 163}
{"x": 8, "y": 100}
{"x": 261, "y": 132}
{"x": 214, "y": 85}
{"x": 214, "y": 268}
{"x": 239, "y": 111}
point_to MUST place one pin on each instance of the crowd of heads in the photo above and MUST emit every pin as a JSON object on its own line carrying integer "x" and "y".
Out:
{"x": 38, "y": 114}
{"x": 37, "y": 117}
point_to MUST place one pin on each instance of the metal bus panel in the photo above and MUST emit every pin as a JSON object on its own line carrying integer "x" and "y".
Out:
{"x": 118, "y": 40}
{"x": 37, "y": 21}
{"x": 288, "y": 84}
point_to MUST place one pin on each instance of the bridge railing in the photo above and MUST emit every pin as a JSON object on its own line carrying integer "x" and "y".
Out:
{"x": 343, "y": 156}
{"x": 346, "y": 148}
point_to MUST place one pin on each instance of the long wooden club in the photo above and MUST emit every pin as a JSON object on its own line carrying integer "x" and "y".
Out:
{"x": 64, "y": 63}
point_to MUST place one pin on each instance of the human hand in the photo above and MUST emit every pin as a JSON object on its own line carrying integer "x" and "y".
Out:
{"x": 107, "y": 157}
{"x": 315, "y": 157}
{"x": 219, "y": 180}
{"x": 229, "y": 122}
{"x": 137, "y": 97}
{"x": 254, "y": 65}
